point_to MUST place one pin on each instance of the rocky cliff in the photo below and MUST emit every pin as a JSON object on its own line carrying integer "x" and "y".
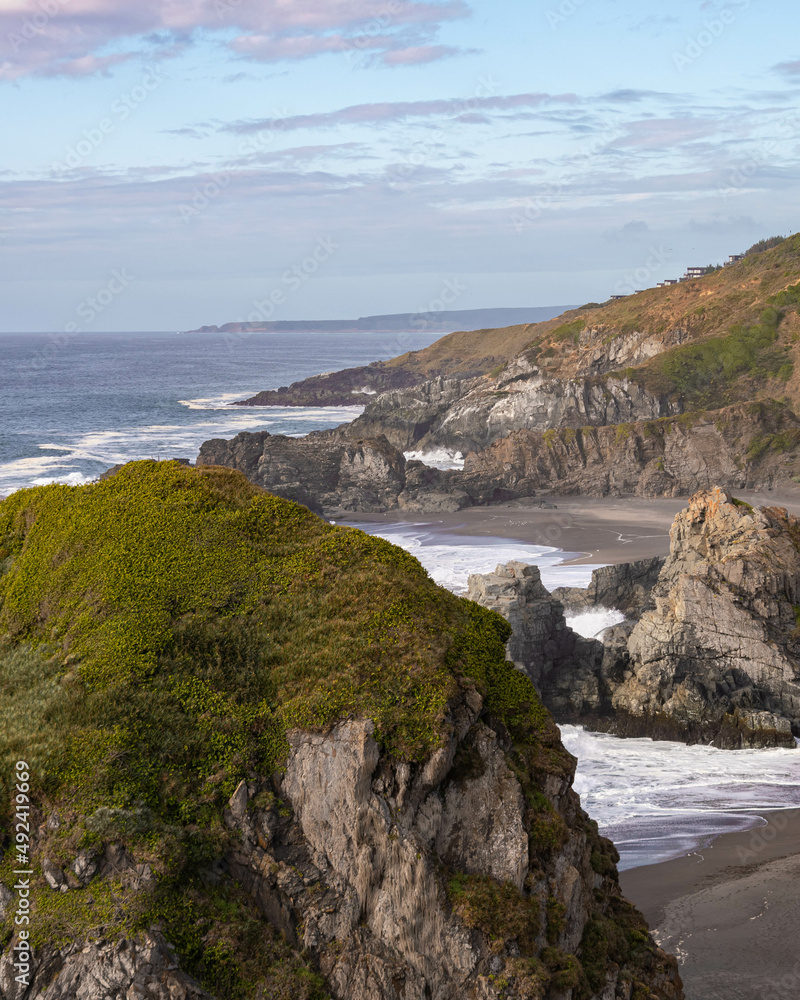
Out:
{"x": 752, "y": 445}
{"x": 597, "y": 376}
{"x": 719, "y": 656}
{"x": 626, "y": 587}
{"x": 715, "y": 659}
{"x": 468, "y": 415}
{"x": 268, "y": 757}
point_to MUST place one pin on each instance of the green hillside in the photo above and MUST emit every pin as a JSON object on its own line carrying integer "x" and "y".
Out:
{"x": 161, "y": 631}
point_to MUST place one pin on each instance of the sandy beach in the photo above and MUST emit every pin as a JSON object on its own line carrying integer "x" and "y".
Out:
{"x": 730, "y": 912}
{"x": 601, "y": 531}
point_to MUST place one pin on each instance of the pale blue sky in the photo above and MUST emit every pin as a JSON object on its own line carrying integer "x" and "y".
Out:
{"x": 533, "y": 153}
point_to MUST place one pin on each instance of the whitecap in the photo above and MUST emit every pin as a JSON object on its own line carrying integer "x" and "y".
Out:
{"x": 658, "y": 800}
{"x": 591, "y": 624}
{"x": 437, "y": 458}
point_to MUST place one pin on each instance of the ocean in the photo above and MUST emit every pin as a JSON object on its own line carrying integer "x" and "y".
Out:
{"x": 72, "y": 407}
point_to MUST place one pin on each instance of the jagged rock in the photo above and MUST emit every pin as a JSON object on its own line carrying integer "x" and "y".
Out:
{"x": 352, "y": 871}
{"x": 719, "y": 656}
{"x": 468, "y": 415}
{"x": 142, "y": 968}
{"x": 715, "y": 655}
{"x": 563, "y": 665}
{"x": 323, "y": 470}
{"x": 748, "y": 445}
{"x": 627, "y": 587}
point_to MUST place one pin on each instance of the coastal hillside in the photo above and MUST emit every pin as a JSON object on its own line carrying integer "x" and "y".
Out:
{"x": 745, "y": 313}
{"x": 728, "y": 337}
{"x": 267, "y": 757}
{"x": 754, "y": 446}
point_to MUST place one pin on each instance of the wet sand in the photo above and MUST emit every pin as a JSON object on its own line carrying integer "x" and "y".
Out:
{"x": 730, "y": 912}
{"x": 601, "y": 531}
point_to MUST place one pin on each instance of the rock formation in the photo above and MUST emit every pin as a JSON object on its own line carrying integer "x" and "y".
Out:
{"x": 627, "y": 587}
{"x": 715, "y": 654}
{"x": 563, "y": 666}
{"x": 269, "y": 757}
{"x": 751, "y": 445}
{"x": 470, "y": 415}
{"x": 719, "y": 656}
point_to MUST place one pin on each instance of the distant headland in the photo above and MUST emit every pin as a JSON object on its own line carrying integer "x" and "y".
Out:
{"x": 444, "y": 321}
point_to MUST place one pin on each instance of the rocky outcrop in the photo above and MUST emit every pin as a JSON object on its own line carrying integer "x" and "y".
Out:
{"x": 322, "y": 470}
{"x": 468, "y": 415}
{"x": 563, "y": 666}
{"x": 349, "y": 864}
{"x": 750, "y": 445}
{"x": 627, "y": 587}
{"x": 141, "y": 968}
{"x": 350, "y": 387}
{"x": 719, "y": 656}
{"x": 330, "y": 472}
{"x": 753, "y": 446}
{"x": 715, "y": 654}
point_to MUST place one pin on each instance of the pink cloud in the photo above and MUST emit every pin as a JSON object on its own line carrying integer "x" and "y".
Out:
{"x": 418, "y": 54}
{"x": 48, "y": 37}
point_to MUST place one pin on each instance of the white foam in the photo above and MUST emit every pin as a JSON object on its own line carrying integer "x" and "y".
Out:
{"x": 450, "y": 559}
{"x": 591, "y": 624}
{"x": 660, "y": 800}
{"x": 112, "y": 447}
{"x": 437, "y": 458}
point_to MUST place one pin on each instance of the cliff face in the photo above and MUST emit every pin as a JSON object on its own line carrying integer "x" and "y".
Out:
{"x": 752, "y": 445}
{"x": 269, "y": 757}
{"x": 719, "y": 656}
{"x": 354, "y": 872}
{"x": 715, "y": 654}
{"x": 470, "y": 415}
{"x": 321, "y": 471}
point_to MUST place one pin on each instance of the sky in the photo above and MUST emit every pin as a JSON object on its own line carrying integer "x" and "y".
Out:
{"x": 171, "y": 164}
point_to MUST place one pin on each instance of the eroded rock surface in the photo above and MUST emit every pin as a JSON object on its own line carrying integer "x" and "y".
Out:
{"x": 360, "y": 870}
{"x": 715, "y": 654}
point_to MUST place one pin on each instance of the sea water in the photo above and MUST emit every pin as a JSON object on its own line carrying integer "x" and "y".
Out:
{"x": 70, "y": 407}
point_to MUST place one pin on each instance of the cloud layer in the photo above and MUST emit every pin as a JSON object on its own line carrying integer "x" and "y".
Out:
{"x": 70, "y": 37}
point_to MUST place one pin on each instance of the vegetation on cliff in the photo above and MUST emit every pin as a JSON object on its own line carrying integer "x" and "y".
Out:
{"x": 161, "y": 631}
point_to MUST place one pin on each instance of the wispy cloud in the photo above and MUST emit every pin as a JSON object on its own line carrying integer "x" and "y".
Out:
{"x": 64, "y": 37}
{"x": 396, "y": 111}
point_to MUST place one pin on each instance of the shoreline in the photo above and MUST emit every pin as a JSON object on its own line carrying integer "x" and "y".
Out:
{"x": 593, "y": 530}
{"x": 729, "y": 911}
